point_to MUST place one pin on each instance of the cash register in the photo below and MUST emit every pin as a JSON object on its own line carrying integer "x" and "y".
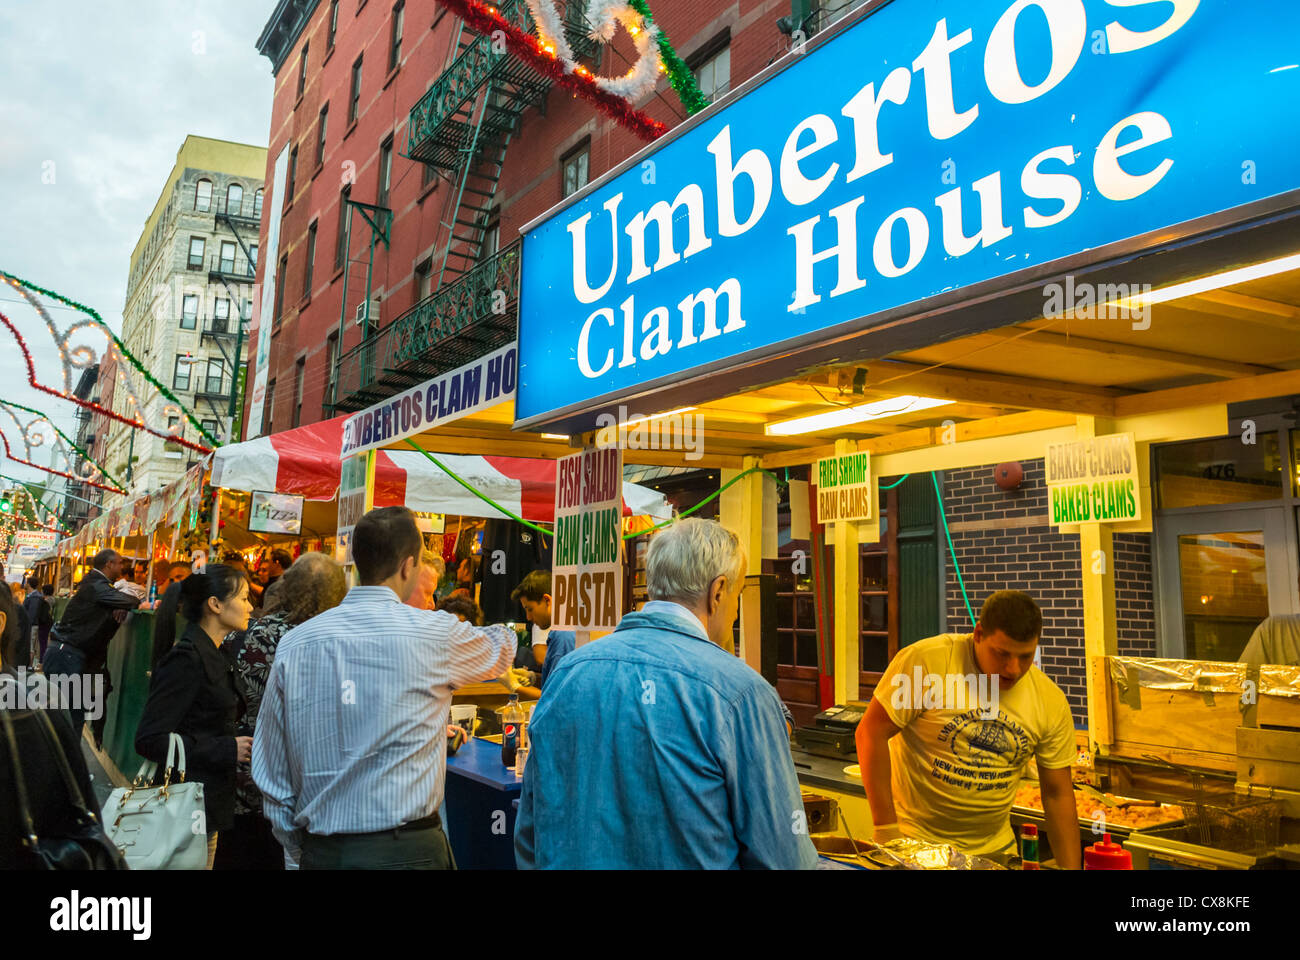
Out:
{"x": 832, "y": 732}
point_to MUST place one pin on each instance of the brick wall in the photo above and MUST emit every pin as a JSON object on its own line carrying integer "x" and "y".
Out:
{"x": 1003, "y": 542}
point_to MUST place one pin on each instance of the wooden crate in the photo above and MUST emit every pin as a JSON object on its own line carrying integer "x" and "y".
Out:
{"x": 1193, "y": 727}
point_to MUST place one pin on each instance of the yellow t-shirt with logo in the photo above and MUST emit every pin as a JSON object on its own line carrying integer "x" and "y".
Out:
{"x": 956, "y": 764}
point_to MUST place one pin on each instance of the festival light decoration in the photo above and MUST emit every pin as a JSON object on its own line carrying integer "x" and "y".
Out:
{"x": 32, "y": 438}
{"x": 543, "y": 56}
{"x": 82, "y": 356}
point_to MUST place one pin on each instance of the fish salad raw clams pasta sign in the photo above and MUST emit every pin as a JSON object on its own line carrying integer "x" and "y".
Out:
{"x": 1094, "y": 480}
{"x": 483, "y": 383}
{"x": 587, "y": 571}
{"x": 352, "y": 503}
{"x": 934, "y": 145}
{"x": 844, "y": 488}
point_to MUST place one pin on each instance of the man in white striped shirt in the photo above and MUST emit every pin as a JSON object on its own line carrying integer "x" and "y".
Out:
{"x": 350, "y": 750}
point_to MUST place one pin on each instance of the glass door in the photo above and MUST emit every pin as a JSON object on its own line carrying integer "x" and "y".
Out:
{"x": 1221, "y": 573}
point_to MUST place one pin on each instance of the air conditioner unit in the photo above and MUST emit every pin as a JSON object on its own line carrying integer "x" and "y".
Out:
{"x": 368, "y": 312}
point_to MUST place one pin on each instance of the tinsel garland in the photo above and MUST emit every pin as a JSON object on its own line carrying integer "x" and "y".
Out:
{"x": 90, "y": 404}
{"x": 680, "y": 76}
{"x": 121, "y": 488}
{"x": 581, "y": 82}
{"x": 122, "y": 353}
{"x": 48, "y": 512}
{"x": 58, "y": 473}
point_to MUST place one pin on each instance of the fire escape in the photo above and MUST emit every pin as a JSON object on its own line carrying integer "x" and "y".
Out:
{"x": 462, "y": 128}
{"x": 227, "y": 333}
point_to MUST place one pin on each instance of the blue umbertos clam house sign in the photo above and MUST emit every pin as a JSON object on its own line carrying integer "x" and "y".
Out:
{"x": 933, "y": 145}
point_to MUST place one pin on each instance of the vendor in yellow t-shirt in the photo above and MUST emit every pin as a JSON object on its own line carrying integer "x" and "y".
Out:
{"x": 951, "y": 728}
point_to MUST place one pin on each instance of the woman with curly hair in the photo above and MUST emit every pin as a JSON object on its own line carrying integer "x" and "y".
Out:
{"x": 313, "y": 584}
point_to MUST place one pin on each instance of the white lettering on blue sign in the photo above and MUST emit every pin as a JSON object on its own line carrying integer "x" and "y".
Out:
{"x": 905, "y": 158}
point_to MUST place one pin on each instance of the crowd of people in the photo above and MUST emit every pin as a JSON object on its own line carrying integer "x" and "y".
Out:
{"x": 317, "y": 716}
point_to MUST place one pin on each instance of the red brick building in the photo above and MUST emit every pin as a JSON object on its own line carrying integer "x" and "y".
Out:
{"x": 363, "y": 88}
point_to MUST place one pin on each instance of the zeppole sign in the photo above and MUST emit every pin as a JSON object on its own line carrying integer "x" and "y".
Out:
{"x": 926, "y": 148}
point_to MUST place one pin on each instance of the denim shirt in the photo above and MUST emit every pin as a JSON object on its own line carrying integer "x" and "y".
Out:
{"x": 655, "y": 748}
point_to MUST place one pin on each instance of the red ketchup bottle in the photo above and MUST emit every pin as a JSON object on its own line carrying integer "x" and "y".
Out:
{"x": 1105, "y": 855}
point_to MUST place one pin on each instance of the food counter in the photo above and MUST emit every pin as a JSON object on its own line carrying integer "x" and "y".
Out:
{"x": 479, "y": 808}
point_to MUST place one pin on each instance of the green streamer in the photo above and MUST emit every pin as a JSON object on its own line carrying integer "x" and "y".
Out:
{"x": 70, "y": 442}
{"x": 896, "y": 482}
{"x": 123, "y": 350}
{"x": 680, "y": 76}
{"x": 938, "y": 495}
{"x": 482, "y": 496}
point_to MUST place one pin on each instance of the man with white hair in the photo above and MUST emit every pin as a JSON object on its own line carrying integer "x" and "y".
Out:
{"x": 655, "y": 747}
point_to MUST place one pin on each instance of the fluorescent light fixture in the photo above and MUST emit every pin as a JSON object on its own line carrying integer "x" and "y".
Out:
{"x": 1191, "y": 288}
{"x": 555, "y": 436}
{"x": 656, "y": 416}
{"x": 844, "y": 416}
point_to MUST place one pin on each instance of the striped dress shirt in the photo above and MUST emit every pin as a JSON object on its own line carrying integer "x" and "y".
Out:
{"x": 351, "y": 735}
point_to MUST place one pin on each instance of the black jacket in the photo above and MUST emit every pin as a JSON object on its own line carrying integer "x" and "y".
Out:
{"x": 195, "y": 692}
{"x": 88, "y": 623}
{"x": 38, "y": 609}
{"x": 47, "y": 796}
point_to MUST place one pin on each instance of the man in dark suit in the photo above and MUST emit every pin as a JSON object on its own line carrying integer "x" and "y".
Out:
{"x": 79, "y": 641}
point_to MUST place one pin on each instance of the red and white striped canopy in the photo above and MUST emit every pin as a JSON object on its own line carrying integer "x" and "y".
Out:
{"x": 306, "y": 461}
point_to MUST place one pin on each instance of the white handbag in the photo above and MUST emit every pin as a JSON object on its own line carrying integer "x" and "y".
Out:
{"x": 159, "y": 828}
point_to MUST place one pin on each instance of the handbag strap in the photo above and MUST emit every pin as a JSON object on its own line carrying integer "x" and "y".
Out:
{"x": 180, "y": 756}
{"x": 20, "y": 782}
{"x": 75, "y": 795}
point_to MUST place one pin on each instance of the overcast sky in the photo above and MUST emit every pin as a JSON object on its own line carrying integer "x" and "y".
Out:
{"x": 97, "y": 97}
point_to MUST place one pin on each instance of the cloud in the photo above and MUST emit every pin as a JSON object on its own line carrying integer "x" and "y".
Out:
{"x": 97, "y": 97}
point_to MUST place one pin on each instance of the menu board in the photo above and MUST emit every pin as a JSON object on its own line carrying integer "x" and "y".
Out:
{"x": 587, "y": 571}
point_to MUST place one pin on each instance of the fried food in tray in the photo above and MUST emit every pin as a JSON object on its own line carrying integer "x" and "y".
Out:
{"x": 1134, "y": 814}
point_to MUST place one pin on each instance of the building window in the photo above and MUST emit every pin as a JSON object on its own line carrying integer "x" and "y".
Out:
{"x": 252, "y": 258}
{"x": 293, "y": 172}
{"x": 211, "y": 426}
{"x": 334, "y": 21}
{"x": 354, "y": 100}
{"x": 268, "y": 409}
{"x": 395, "y": 45}
{"x": 341, "y": 244}
{"x": 227, "y": 256}
{"x": 234, "y": 199}
{"x": 320, "y": 136}
{"x": 197, "y": 246}
{"x": 189, "y": 311}
{"x": 279, "y": 287}
{"x": 176, "y": 429}
{"x": 302, "y": 70}
{"x": 246, "y": 311}
{"x": 423, "y": 279}
{"x": 181, "y": 373}
{"x": 203, "y": 196}
{"x": 575, "y": 169}
{"x": 713, "y": 72}
{"x": 220, "y": 315}
{"x": 332, "y": 370}
{"x": 257, "y": 203}
{"x": 385, "y": 172}
{"x": 297, "y": 390}
{"x": 216, "y": 375}
{"x": 311, "y": 259}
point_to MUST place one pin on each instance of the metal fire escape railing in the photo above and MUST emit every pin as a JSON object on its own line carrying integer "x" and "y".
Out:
{"x": 459, "y": 322}
{"x": 462, "y": 128}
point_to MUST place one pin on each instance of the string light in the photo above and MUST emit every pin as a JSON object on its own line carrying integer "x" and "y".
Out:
{"x": 486, "y": 20}
{"x": 96, "y": 407}
{"x": 117, "y": 350}
{"x": 121, "y": 488}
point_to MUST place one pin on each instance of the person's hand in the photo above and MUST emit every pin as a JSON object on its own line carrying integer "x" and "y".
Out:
{"x": 243, "y": 749}
{"x": 885, "y": 832}
{"x": 508, "y": 678}
{"x": 119, "y": 616}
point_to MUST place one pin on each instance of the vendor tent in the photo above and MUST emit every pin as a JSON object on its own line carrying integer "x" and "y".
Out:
{"x": 306, "y": 461}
